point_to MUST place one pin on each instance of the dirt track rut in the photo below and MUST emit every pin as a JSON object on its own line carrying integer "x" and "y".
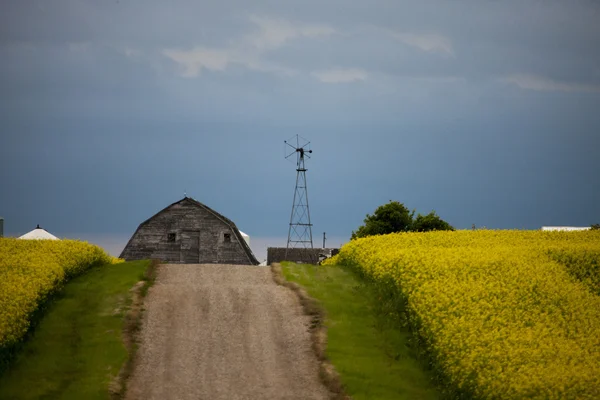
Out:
{"x": 223, "y": 332}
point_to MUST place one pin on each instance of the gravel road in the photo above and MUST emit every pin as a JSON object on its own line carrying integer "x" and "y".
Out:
{"x": 223, "y": 332}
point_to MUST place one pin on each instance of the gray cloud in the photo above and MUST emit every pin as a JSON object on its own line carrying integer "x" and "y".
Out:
{"x": 533, "y": 82}
{"x": 340, "y": 75}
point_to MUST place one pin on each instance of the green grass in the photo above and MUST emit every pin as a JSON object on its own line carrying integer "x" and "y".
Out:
{"x": 365, "y": 342}
{"x": 77, "y": 349}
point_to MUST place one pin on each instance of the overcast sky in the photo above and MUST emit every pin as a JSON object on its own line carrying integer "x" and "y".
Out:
{"x": 487, "y": 112}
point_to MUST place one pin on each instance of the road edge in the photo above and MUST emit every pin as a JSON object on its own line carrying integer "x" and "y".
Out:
{"x": 131, "y": 328}
{"x": 318, "y": 333}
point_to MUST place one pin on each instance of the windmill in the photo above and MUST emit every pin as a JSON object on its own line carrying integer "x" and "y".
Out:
{"x": 300, "y": 229}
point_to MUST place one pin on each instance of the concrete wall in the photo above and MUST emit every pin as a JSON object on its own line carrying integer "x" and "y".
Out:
{"x": 199, "y": 237}
{"x": 306, "y": 256}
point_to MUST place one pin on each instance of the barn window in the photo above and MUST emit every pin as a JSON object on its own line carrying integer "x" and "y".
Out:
{"x": 171, "y": 237}
{"x": 227, "y": 237}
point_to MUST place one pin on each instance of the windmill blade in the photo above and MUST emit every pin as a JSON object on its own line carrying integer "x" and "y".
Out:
{"x": 287, "y": 147}
{"x": 289, "y": 144}
{"x": 303, "y": 142}
{"x": 289, "y": 155}
{"x": 288, "y": 152}
{"x": 291, "y": 159}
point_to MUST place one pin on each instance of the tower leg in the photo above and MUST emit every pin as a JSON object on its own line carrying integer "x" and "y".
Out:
{"x": 300, "y": 228}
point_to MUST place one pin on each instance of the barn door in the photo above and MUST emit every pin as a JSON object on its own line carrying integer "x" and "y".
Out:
{"x": 190, "y": 247}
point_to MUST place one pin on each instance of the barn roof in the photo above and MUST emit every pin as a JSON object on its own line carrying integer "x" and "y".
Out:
{"x": 226, "y": 220}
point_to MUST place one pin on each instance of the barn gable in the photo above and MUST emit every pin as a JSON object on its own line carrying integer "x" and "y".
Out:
{"x": 189, "y": 232}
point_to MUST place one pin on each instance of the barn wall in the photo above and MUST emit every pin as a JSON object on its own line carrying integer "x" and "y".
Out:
{"x": 199, "y": 238}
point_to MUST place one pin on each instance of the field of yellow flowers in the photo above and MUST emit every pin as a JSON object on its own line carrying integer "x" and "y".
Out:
{"x": 30, "y": 270}
{"x": 503, "y": 314}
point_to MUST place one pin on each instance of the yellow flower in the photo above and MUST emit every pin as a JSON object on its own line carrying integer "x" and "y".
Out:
{"x": 506, "y": 314}
{"x": 30, "y": 270}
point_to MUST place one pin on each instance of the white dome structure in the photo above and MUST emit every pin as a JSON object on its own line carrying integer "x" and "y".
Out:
{"x": 39, "y": 234}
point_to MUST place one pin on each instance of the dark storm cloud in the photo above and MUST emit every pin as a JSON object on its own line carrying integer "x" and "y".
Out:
{"x": 483, "y": 111}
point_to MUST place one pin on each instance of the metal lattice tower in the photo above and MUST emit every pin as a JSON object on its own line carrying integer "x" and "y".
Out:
{"x": 300, "y": 230}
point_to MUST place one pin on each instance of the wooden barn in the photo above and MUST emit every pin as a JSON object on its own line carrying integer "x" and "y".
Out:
{"x": 189, "y": 232}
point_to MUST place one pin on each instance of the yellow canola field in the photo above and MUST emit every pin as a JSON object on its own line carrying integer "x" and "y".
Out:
{"x": 505, "y": 314}
{"x": 32, "y": 269}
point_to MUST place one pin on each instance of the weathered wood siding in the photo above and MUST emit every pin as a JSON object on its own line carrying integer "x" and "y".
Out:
{"x": 199, "y": 237}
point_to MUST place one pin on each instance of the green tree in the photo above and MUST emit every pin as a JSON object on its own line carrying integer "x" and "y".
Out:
{"x": 395, "y": 217}
{"x": 388, "y": 218}
{"x": 595, "y": 226}
{"x": 430, "y": 222}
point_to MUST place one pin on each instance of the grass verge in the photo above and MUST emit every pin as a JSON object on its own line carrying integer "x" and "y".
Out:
{"x": 131, "y": 328}
{"x": 312, "y": 308}
{"x": 77, "y": 350}
{"x": 367, "y": 345}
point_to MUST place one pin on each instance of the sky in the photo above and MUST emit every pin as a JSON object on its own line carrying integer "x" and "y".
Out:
{"x": 110, "y": 110}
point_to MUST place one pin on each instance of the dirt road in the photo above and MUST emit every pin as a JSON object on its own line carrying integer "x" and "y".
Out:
{"x": 223, "y": 332}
